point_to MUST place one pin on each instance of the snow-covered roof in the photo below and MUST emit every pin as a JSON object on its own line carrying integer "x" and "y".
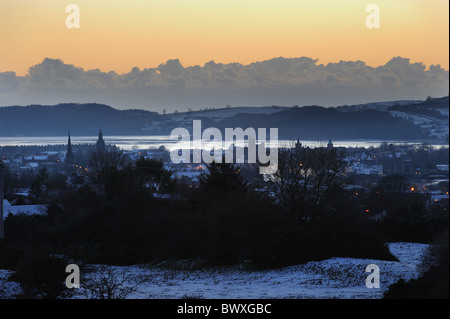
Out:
{"x": 36, "y": 158}
{"x": 22, "y": 209}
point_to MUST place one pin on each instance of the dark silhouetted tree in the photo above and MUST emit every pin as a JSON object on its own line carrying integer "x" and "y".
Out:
{"x": 304, "y": 178}
{"x": 222, "y": 178}
{"x": 152, "y": 175}
{"x": 38, "y": 188}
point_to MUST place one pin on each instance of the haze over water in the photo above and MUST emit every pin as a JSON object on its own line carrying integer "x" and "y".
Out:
{"x": 128, "y": 142}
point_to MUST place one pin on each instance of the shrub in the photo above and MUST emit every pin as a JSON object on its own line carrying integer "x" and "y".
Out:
{"x": 314, "y": 242}
{"x": 9, "y": 254}
{"x": 40, "y": 274}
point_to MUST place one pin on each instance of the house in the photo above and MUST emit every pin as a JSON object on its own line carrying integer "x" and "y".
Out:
{"x": 22, "y": 209}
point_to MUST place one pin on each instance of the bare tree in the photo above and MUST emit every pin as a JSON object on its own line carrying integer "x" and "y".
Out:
{"x": 304, "y": 178}
{"x": 106, "y": 159}
{"x": 101, "y": 165}
{"x": 394, "y": 184}
{"x": 327, "y": 166}
{"x": 291, "y": 179}
{"x": 109, "y": 282}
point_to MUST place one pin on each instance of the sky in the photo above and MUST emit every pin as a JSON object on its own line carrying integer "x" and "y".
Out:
{"x": 117, "y": 36}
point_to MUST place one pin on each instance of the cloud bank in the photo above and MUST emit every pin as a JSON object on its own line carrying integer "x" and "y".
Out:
{"x": 279, "y": 81}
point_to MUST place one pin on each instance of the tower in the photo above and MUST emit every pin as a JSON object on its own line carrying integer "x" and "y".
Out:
{"x": 100, "y": 143}
{"x": 330, "y": 144}
{"x": 69, "y": 153}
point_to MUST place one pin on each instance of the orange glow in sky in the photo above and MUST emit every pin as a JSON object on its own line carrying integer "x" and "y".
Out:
{"x": 119, "y": 35}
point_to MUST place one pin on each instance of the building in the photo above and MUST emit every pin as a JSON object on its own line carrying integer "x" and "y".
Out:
{"x": 69, "y": 153}
{"x": 330, "y": 144}
{"x": 22, "y": 209}
{"x": 101, "y": 147}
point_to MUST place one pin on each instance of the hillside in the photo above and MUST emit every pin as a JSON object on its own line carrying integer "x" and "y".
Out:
{"x": 82, "y": 119}
{"x": 397, "y": 120}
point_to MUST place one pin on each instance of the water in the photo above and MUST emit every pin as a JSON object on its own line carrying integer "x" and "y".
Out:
{"x": 155, "y": 141}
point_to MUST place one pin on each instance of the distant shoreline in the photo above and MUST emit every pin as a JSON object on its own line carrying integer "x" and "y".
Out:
{"x": 154, "y": 141}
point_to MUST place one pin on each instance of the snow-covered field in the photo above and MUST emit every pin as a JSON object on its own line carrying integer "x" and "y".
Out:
{"x": 437, "y": 127}
{"x": 332, "y": 278}
{"x": 8, "y": 289}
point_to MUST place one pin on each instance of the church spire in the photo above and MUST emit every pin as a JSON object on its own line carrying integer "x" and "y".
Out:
{"x": 298, "y": 145}
{"x": 69, "y": 154}
{"x": 100, "y": 143}
{"x": 330, "y": 144}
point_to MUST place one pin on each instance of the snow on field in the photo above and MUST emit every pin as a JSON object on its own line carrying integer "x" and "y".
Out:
{"x": 416, "y": 118}
{"x": 437, "y": 127}
{"x": 8, "y": 289}
{"x": 333, "y": 278}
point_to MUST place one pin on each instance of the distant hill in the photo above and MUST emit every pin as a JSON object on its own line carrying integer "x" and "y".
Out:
{"x": 81, "y": 119}
{"x": 396, "y": 120}
{"x": 316, "y": 122}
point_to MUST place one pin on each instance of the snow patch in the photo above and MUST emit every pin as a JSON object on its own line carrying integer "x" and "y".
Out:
{"x": 342, "y": 278}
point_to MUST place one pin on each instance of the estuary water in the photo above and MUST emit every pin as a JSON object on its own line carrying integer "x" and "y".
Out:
{"x": 129, "y": 142}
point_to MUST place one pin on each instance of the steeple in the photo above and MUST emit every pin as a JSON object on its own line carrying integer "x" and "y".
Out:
{"x": 69, "y": 154}
{"x": 330, "y": 144}
{"x": 100, "y": 143}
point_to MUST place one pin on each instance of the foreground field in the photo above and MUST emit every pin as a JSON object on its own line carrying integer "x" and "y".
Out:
{"x": 333, "y": 278}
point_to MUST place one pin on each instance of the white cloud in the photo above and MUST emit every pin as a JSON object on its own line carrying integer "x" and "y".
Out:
{"x": 279, "y": 81}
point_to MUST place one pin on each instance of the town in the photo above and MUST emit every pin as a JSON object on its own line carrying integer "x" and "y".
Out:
{"x": 423, "y": 169}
